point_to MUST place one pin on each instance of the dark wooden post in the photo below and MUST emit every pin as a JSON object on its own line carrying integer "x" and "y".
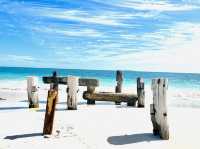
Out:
{"x": 50, "y": 106}
{"x": 140, "y": 92}
{"x": 90, "y": 89}
{"x": 119, "y": 79}
{"x": 159, "y": 108}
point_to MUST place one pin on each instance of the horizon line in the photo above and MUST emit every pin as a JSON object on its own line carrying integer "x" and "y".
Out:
{"x": 100, "y": 69}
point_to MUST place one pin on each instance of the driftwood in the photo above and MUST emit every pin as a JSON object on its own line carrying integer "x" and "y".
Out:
{"x": 32, "y": 91}
{"x": 72, "y": 92}
{"x": 108, "y": 96}
{"x": 158, "y": 109}
{"x": 140, "y": 92}
{"x": 118, "y": 88}
{"x": 50, "y": 106}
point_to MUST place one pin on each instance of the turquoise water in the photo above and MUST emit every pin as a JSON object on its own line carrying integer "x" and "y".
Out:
{"x": 106, "y": 77}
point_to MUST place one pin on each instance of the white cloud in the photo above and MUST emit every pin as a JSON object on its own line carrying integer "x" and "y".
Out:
{"x": 20, "y": 57}
{"x": 152, "y": 5}
{"x": 76, "y": 32}
{"x": 159, "y": 6}
{"x": 178, "y": 51}
{"x": 99, "y": 16}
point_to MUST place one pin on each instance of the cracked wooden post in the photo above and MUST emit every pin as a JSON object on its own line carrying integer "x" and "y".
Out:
{"x": 159, "y": 108}
{"x": 90, "y": 89}
{"x": 119, "y": 79}
{"x": 50, "y": 106}
{"x": 32, "y": 90}
{"x": 140, "y": 92}
{"x": 73, "y": 83}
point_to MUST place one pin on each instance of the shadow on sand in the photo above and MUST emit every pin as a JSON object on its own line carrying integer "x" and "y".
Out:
{"x": 60, "y": 109}
{"x": 23, "y": 136}
{"x": 129, "y": 139}
{"x": 12, "y": 108}
{"x": 43, "y": 102}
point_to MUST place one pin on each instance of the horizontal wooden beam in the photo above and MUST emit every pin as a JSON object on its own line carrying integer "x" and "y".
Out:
{"x": 108, "y": 96}
{"x": 63, "y": 80}
{"x": 88, "y": 82}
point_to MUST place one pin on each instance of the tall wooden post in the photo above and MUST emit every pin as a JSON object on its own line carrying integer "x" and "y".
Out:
{"x": 119, "y": 79}
{"x": 159, "y": 108}
{"x": 32, "y": 90}
{"x": 73, "y": 83}
{"x": 50, "y": 106}
{"x": 140, "y": 92}
{"x": 90, "y": 89}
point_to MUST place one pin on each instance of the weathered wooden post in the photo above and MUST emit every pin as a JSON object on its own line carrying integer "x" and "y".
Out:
{"x": 32, "y": 90}
{"x": 73, "y": 83}
{"x": 119, "y": 79}
{"x": 90, "y": 89}
{"x": 158, "y": 109}
{"x": 51, "y": 105}
{"x": 140, "y": 92}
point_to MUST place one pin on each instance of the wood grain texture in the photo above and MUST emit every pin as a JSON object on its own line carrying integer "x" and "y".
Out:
{"x": 32, "y": 92}
{"x": 82, "y": 81}
{"x": 72, "y": 92}
{"x": 52, "y": 99}
{"x": 50, "y": 111}
{"x": 159, "y": 108}
{"x": 140, "y": 92}
{"x": 119, "y": 79}
{"x": 90, "y": 89}
{"x": 109, "y": 96}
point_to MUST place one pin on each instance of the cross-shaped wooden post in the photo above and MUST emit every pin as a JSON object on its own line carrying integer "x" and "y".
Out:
{"x": 50, "y": 106}
{"x": 90, "y": 83}
{"x": 73, "y": 83}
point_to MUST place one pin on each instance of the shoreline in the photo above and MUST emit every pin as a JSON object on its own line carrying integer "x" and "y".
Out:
{"x": 16, "y": 90}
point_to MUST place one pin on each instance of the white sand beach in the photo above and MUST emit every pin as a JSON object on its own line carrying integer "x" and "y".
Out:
{"x": 99, "y": 126}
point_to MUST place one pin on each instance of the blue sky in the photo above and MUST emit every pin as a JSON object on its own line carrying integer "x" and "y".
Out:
{"x": 140, "y": 35}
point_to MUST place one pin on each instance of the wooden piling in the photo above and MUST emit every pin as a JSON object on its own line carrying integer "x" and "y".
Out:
{"x": 32, "y": 91}
{"x": 91, "y": 90}
{"x": 140, "y": 92}
{"x": 50, "y": 106}
{"x": 119, "y": 79}
{"x": 159, "y": 108}
{"x": 73, "y": 83}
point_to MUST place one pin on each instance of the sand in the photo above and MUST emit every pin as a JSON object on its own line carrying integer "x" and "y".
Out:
{"x": 100, "y": 126}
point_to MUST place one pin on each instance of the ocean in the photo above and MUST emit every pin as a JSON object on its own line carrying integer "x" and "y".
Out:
{"x": 106, "y": 77}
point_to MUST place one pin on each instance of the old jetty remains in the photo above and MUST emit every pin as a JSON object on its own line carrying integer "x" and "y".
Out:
{"x": 52, "y": 99}
{"x": 91, "y": 96}
{"x": 72, "y": 89}
{"x": 32, "y": 92}
{"x": 118, "y": 88}
{"x": 158, "y": 109}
